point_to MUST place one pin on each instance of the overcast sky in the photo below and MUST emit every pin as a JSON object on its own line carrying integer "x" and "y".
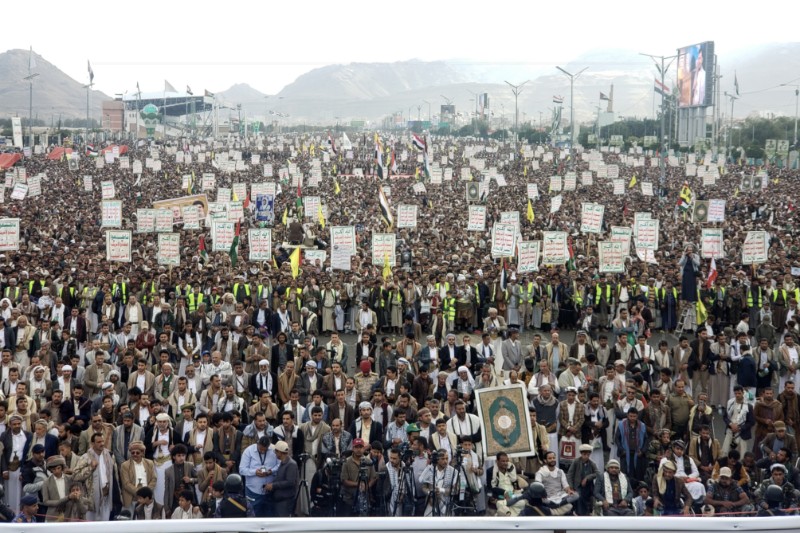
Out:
{"x": 269, "y": 44}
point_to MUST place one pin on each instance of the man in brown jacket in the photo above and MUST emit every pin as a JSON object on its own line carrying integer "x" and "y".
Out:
{"x": 136, "y": 472}
{"x": 791, "y": 408}
{"x": 768, "y": 410}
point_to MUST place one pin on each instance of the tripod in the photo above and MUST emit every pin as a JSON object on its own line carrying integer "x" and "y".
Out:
{"x": 406, "y": 500}
{"x": 361, "y": 505}
{"x": 302, "y": 488}
{"x": 462, "y": 499}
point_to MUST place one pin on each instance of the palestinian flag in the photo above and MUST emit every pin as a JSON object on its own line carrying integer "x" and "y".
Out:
{"x": 503, "y": 279}
{"x": 571, "y": 262}
{"x": 203, "y": 253}
{"x": 234, "y": 252}
{"x": 91, "y": 151}
{"x": 393, "y": 163}
{"x": 331, "y": 143}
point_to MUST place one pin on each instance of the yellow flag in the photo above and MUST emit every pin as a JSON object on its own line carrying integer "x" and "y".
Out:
{"x": 321, "y": 216}
{"x": 387, "y": 267}
{"x": 531, "y": 216}
{"x": 235, "y": 197}
{"x": 311, "y": 149}
{"x": 294, "y": 260}
{"x": 416, "y": 173}
{"x": 632, "y": 183}
{"x": 285, "y": 215}
{"x": 274, "y": 264}
{"x": 525, "y": 172}
{"x": 736, "y": 193}
{"x": 336, "y": 188}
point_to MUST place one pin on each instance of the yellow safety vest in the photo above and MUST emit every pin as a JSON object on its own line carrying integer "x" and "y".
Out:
{"x": 449, "y": 308}
{"x": 194, "y": 300}
{"x": 750, "y": 298}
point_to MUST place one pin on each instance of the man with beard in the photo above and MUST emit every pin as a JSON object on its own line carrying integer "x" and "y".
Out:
{"x": 560, "y": 495}
{"x": 631, "y": 437}
{"x": 613, "y": 489}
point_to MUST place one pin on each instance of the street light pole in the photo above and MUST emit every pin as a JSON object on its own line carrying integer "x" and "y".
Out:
{"x": 516, "y": 89}
{"x": 796, "y": 102}
{"x": 429, "y": 109}
{"x": 730, "y": 127}
{"x": 662, "y": 69}
{"x": 572, "y": 78}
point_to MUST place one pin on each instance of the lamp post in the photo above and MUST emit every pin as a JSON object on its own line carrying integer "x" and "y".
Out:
{"x": 730, "y": 127}
{"x": 516, "y": 89}
{"x": 796, "y": 103}
{"x": 662, "y": 68}
{"x": 429, "y": 109}
{"x": 572, "y": 78}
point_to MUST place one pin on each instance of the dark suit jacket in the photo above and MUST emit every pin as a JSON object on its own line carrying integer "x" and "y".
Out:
{"x": 10, "y": 337}
{"x": 8, "y": 448}
{"x": 255, "y": 387}
{"x": 461, "y": 355}
{"x": 80, "y": 327}
{"x": 349, "y": 414}
{"x": 284, "y": 486}
{"x": 694, "y": 363}
{"x": 573, "y": 350}
{"x": 375, "y": 432}
{"x": 237, "y": 448}
{"x": 358, "y": 352}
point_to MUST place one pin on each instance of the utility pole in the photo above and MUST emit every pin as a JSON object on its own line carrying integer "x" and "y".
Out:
{"x": 516, "y": 89}
{"x": 662, "y": 68}
{"x": 429, "y": 109}
{"x": 730, "y": 127}
{"x": 572, "y": 78}
{"x": 796, "y": 102}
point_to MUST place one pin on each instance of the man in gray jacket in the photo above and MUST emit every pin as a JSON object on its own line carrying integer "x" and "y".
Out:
{"x": 284, "y": 487}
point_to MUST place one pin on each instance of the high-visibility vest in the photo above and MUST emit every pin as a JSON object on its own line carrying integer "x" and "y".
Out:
{"x": 599, "y": 293}
{"x": 477, "y": 295}
{"x": 783, "y": 293}
{"x": 449, "y": 308}
{"x": 71, "y": 292}
{"x": 182, "y": 290}
{"x": 529, "y": 293}
{"x": 123, "y": 287}
{"x": 236, "y": 289}
{"x": 664, "y": 292}
{"x": 153, "y": 287}
{"x": 750, "y": 298}
{"x": 446, "y": 286}
{"x": 193, "y": 300}
{"x": 299, "y": 292}
{"x": 16, "y": 292}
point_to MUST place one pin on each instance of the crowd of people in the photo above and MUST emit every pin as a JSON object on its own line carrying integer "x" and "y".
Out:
{"x": 227, "y": 387}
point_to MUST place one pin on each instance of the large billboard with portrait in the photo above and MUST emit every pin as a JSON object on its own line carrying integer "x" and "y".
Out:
{"x": 696, "y": 75}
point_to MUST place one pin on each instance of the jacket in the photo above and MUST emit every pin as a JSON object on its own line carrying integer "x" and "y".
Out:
{"x": 128, "y": 482}
{"x": 284, "y": 486}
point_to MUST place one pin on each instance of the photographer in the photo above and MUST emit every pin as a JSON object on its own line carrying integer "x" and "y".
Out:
{"x": 739, "y": 422}
{"x": 258, "y": 466}
{"x": 326, "y": 486}
{"x": 437, "y": 483}
{"x": 352, "y": 475}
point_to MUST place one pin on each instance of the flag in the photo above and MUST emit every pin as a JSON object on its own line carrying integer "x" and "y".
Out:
{"x": 419, "y": 143}
{"x": 425, "y": 166}
{"x": 209, "y": 93}
{"x": 416, "y": 173}
{"x": 91, "y": 72}
{"x": 632, "y": 183}
{"x": 571, "y": 262}
{"x": 246, "y": 203}
{"x": 685, "y": 200}
{"x": 285, "y": 217}
{"x": 712, "y": 274}
{"x": 790, "y": 208}
{"x": 235, "y": 197}
{"x": 346, "y": 144}
{"x": 503, "y": 280}
{"x": 203, "y": 253}
{"x": 169, "y": 88}
{"x": 531, "y": 216}
{"x": 736, "y": 83}
{"x": 558, "y": 99}
{"x": 336, "y": 188}
{"x": 234, "y": 252}
{"x": 702, "y": 313}
{"x": 331, "y": 144}
{"x": 31, "y": 61}
{"x": 386, "y": 209}
{"x": 393, "y": 163}
{"x": 294, "y": 260}
{"x": 91, "y": 151}
{"x": 736, "y": 193}
{"x": 603, "y": 96}
{"x": 379, "y": 155}
{"x": 189, "y": 91}
{"x": 387, "y": 267}
{"x": 625, "y": 210}
{"x": 191, "y": 184}
{"x": 660, "y": 88}
{"x": 320, "y": 216}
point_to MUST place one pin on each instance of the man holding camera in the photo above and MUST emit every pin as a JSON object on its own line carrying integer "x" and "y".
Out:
{"x": 258, "y": 466}
{"x": 354, "y": 476}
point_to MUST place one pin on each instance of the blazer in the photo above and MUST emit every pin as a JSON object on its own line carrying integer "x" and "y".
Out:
{"x": 563, "y": 418}
{"x": 128, "y": 482}
{"x": 149, "y": 382}
{"x": 118, "y": 441}
{"x": 80, "y": 327}
{"x": 349, "y": 414}
{"x": 284, "y": 486}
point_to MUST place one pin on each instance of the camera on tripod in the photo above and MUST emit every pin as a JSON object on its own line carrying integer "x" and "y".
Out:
{"x": 406, "y": 453}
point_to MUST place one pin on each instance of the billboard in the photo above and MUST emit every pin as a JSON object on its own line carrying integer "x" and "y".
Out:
{"x": 448, "y": 110}
{"x": 696, "y": 75}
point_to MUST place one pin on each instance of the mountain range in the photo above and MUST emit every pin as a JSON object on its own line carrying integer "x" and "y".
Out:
{"x": 416, "y": 89}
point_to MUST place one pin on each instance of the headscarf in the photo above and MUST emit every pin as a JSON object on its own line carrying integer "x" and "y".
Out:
{"x": 662, "y": 483}
{"x": 465, "y": 386}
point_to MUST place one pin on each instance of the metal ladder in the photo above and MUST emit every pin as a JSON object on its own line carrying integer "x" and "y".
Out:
{"x": 689, "y": 313}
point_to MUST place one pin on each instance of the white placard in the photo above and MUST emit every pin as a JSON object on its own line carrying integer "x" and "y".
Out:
{"x": 533, "y": 191}
{"x": 647, "y": 188}
{"x": 108, "y": 190}
{"x": 191, "y": 217}
{"x": 383, "y": 246}
{"x": 222, "y": 234}
{"x": 35, "y": 186}
{"x": 223, "y": 195}
{"x": 343, "y": 238}
{"x": 169, "y": 249}
{"x": 406, "y": 216}
{"x": 647, "y": 234}
{"x": 712, "y": 244}
{"x": 504, "y": 238}
{"x": 9, "y": 234}
{"x": 612, "y": 256}
{"x": 754, "y": 250}
{"x": 528, "y": 256}
{"x": 586, "y": 178}
{"x": 239, "y": 191}
{"x": 119, "y": 244}
{"x": 612, "y": 172}
{"x": 477, "y": 218}
{"x": 716, "y": 210}
{"x": 619, "y": 187}
{"x": 112, "y": 213}
{"x": 622, "y": 234}
{"x": 259, "y": 242}
{"x": 145, "y": 220}
{"x": 592, "y": 217}
{"x": 209, "y": 182}
{"x": 268, "y": 171}
{"x": 554, "y": 248}
{"x": 570, "y": 181}
{"x": 555, "y": 183}
{"x": 164, "y": 220}
{"x": 20, "y": 191}
{"x": 555, "y": 204}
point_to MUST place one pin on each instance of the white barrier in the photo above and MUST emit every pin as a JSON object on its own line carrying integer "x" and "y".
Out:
{"x": 406, "y": 525}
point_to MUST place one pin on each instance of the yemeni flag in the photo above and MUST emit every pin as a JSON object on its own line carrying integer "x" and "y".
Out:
{"x": 203, "y": 253}
{"x": 419, "y": 143}
{"x": 234, "y": 252}
{"x": 660, "y": 88}
{"x": 331, "y": 143}
{"x": 712, "y": 274}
